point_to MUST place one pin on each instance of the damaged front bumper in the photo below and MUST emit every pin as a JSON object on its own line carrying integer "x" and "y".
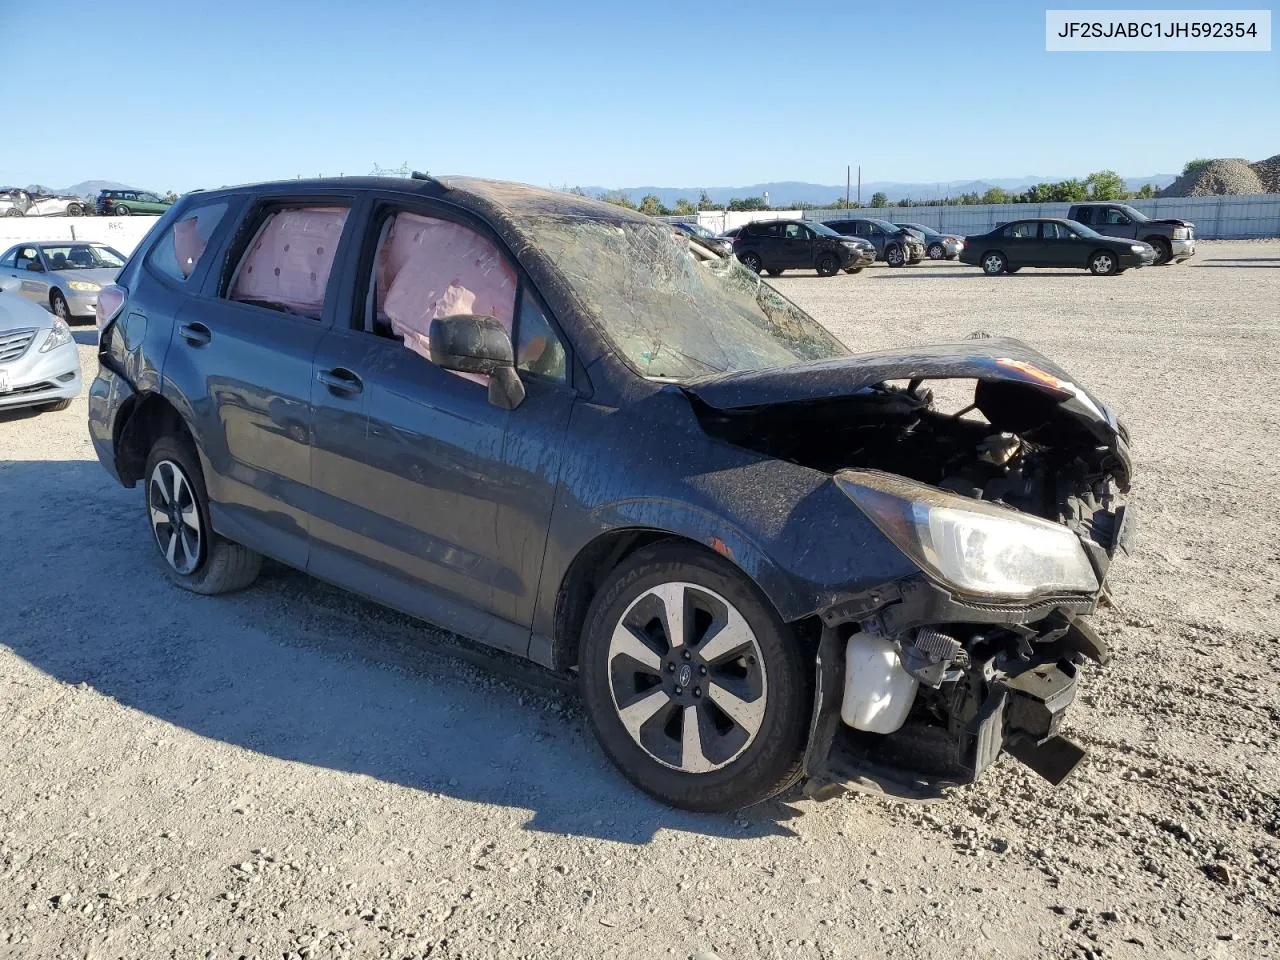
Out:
{"x": 992, "y": 679}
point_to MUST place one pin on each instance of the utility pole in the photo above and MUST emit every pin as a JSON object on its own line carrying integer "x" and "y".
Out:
{"x": 848, "y": 172}
{"x": 859, "y": 185}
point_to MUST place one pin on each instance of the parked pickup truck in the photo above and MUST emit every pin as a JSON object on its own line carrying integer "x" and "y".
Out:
{"x": 1174, "y": 240}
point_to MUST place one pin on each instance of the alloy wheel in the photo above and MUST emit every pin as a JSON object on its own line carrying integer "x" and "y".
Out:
{"x": 893, "y": 256}
{"x": 175, "y": 517}
{"x": 993, "y": 263}
{"x": 936, "y": 252}
{"x": 687, "y": 677}
{"x": 60, "y": 309}
{"x": 752, "y": 262}
{"x": 1103, "y": 263}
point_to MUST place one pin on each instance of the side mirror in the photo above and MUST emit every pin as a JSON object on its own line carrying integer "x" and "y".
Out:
{"x": 35, "y": 266}
{"x": 476, "y": 344}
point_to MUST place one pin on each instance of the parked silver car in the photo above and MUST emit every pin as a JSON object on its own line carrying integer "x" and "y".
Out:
{"x": 63, "y": 276}
{"x": 39, "y": 364}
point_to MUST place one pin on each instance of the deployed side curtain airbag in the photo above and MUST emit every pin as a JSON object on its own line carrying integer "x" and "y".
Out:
{"x": 290, "y": 259}
{"x": 430, "y": 268}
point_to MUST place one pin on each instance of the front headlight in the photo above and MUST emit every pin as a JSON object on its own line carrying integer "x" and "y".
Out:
{"x": 1139, "y": 248}
{"x": 59, "y": 335}
{"x": 973, "y": 546}
{"x": 1180, "y": 233}
{"x": 84, "y": 286}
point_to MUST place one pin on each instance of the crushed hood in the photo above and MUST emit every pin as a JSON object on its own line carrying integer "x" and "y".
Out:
{"x": 1006, "y": 370}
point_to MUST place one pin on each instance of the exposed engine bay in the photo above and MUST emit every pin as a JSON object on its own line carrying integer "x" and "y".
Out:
{"x": 921, "y": 685}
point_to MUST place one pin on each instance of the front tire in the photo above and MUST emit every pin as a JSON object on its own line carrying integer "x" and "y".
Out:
{"x": 194, "y": 556}
{"x": 1164, "y": 252}
{"x": 751, "y": 260}
{"x": 894, "y": 256}
{"x": 1103, "y": 263}
{"x": 58, "y": 304}
{"x": 994, "y": 263}
{"x": 694, "y": 686}
{"x": 827, "y": 265}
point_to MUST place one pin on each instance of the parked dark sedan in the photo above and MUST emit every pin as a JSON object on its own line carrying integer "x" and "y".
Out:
{"x": 778, "y": 245}
{"x": 549, "y": 424}
{"x": 1047, "y": 242}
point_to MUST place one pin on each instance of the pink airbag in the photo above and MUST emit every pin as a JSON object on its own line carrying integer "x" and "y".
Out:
{"x": 188, "y": 245}
{"x": 291, "y": 257}
{"x": 430, "y": 268}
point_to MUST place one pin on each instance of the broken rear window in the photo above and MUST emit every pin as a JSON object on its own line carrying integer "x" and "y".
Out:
{"x": 670, "y": 314}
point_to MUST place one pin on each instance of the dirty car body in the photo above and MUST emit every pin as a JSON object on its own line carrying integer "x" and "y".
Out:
{"x": 766, "y": 558}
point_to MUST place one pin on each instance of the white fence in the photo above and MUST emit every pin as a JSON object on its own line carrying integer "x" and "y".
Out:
{"x": 122, "y": 233}
{"x": 1229, "y": 217}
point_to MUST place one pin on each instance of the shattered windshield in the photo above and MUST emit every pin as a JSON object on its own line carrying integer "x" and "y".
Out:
{"x": 670, "y": 314}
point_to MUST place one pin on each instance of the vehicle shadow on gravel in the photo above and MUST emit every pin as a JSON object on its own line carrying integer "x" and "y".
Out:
{"x": 301, "y": 671}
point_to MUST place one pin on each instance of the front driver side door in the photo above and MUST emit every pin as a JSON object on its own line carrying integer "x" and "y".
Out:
{"x": 427, "y": 496}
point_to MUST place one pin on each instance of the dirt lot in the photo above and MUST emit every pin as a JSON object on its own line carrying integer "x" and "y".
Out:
{"x": 292, "y": 772}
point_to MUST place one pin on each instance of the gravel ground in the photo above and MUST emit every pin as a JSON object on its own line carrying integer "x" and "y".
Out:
{"x": 292, "y": 772}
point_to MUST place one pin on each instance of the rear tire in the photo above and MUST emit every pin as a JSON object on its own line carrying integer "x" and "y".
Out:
{"x": 122, "y": 210}
{"x": 193, "y": 556}
{"x": 827, "y": 265}
{"x": 75, "y": 210}
{"x": 749, "y": 706}
{"x": 994, "y": 263}
{"x": 775, "y": 272}
{"x": 937, "y": 251}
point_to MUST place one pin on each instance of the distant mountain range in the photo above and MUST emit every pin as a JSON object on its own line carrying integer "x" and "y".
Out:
{"x": 90, "y": 188}
{"x": 783, "y": 193}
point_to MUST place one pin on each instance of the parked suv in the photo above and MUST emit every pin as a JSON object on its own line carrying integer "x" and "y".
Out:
{"x": 554, "y": 426}
{"x": 121, "y": 203}
{"x": 778, "y": 245}
{"x": 1173, "y": 240}
{"x": 894, "y": 245}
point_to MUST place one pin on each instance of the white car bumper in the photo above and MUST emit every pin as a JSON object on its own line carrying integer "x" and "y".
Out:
{"x": 34, "y": 378}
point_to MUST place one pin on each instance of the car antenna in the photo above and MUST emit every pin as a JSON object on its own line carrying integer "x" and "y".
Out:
{"x": 419, "y": 175}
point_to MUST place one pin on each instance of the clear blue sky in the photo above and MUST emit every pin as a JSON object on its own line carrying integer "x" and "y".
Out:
{"x": 177, "y": 95}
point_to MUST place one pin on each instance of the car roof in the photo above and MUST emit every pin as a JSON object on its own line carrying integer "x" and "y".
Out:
{"x": 491, "y": 197}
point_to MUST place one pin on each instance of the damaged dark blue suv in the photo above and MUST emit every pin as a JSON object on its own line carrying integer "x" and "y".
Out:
{"x": 561, "y": 429}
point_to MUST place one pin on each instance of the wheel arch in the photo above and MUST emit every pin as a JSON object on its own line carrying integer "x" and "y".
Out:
{"x": 142, "y": 420}
{"x": 591, "y": 566}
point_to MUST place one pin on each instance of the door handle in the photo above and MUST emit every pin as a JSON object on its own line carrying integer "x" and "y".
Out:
{"x": 196, "y": 334}
{"x": 341, "y": 381}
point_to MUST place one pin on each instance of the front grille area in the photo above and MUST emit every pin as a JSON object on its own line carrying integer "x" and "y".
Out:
{"x": 14, "y": 343}
{"x": 40, "y": 387}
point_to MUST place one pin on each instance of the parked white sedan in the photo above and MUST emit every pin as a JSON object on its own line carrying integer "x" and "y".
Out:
{"x": 39, "y": 365}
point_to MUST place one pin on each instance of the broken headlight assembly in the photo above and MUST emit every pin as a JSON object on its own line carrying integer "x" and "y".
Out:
{"x": 972, "y": 546}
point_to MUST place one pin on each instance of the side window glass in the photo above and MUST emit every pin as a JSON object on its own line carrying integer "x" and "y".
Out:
{"x": 178, "y": 251}
{"x": 1115, "y": 217}
{"x": 26, "y": 256}
{"x": 9, "y": 258}
{"x": 538, "y": 349}
{"x": 796, "y": 231}
{"x": 287, "y": 265}
{"x": 427, "y": 268}
{"x": 1084, "y": 215}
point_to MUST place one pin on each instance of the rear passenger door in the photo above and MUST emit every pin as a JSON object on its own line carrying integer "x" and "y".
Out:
{"x": 1061, "y": 247}
{"x": 1022, "y": 244}
{"x": 796, "y": 246}
{"x": 241, "y": 359}
{"x": 429, "y": 497}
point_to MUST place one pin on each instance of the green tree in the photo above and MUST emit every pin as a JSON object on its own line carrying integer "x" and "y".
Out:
{"x": 1147, "y": 192}
{"x": 1191, "y": 166}
{"x": 651, "y": 206}
{"x": 618, "y": 199}
{"x": 684, "y": 208}
{"x": 748, "y": 203}
{"x": 879, "y": 199}
{"x": 704, "y": 202}
{"x": 1105, "y": 185}
{"x": 995, "y": 195}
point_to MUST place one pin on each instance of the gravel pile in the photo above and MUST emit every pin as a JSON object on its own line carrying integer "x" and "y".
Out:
{"x": 1268, "y": 172}
{"x": 1216, "y": 178}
